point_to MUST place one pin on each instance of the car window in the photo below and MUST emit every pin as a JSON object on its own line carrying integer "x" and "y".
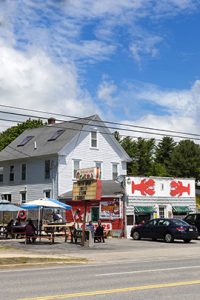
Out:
{"x": 189, "y": 218}
{"x": 163, "y": 223}
{"x": 179, "y": 222}
{"x": 152, "y": 223}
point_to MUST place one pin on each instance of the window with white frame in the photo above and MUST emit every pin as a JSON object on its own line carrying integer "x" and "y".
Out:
{"x": 7, "y": 197}
{"x": 93, "y": 139}
{"x": 23, "y": 196}
{"x": 76, "y": 166}
{"x": 11, "y": 173}
{"x": 98, "y": 165}
{"x": 47, "y": 193}
{"x": 114, "y": 171}
{"x": 161, "y": 211}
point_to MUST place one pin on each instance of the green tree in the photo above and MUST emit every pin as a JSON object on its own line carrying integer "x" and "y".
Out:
{"x": 185, "y": 160}
{"x": 145, "y": 156}
{"x": 9, "y": 135}
{"x": 117, "y": 136}
{"x": 163, "y": 152}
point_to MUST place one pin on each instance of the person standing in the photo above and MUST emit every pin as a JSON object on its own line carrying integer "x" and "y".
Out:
{"x": 99, "y": 233}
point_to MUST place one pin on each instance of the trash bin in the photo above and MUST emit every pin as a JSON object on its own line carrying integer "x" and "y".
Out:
{"x": 91, "y": 239}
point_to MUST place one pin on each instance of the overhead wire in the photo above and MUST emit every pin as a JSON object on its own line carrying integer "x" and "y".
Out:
{"x": 110, "y": 127}
{"x": 103, "y": 121}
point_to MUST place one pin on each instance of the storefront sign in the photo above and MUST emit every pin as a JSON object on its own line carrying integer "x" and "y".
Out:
{"x": 88, "y": 174}
{"x": 160, "y": 187}
{"x": 110, "y": 209}
{"x": 83, "y": 190}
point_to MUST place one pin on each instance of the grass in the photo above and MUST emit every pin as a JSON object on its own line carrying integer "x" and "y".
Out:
{"x": 23, "y": 260}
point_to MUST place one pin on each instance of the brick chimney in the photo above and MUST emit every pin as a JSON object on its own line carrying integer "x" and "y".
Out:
{"x": 51, "y": 121}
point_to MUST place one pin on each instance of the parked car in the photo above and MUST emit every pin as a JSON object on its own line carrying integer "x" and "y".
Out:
{"x": 193, "y": 219}
{"x": 166, "y": 229}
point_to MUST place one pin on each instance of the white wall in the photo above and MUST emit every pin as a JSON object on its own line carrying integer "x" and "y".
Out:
{"x": 107, "y": 153}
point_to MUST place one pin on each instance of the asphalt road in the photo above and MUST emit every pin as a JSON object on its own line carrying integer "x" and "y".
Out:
{"x": 156, "y": 270}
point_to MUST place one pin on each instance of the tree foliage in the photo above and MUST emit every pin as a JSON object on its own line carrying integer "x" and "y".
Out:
{"x": 167, "y": 158}
{"x": 9, "y": 135}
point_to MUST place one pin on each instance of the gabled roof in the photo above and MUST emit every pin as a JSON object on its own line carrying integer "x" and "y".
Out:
{"x": 43, "y": 141}
{"x": 110, "y": 189}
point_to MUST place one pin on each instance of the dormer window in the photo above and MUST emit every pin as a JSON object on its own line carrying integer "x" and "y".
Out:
{"x": 25, "y": 140}
{"x": 56, "y": 135}
{"x": 93, "y": 139}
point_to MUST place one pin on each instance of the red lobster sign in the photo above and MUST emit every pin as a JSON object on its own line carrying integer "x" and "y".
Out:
{"x": 146, "y": 187}
{"x": 177, "y": 188}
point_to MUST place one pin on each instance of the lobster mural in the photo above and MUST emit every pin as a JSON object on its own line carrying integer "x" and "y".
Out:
{"x": 177, "y": 188}
{"x": 146, "y": 187}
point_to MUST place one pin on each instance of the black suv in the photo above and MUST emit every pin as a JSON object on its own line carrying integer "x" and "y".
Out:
{"x": 193, "y": 219}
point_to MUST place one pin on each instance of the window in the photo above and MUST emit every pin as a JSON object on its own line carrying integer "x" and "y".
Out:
{"x": 23, "y": 174}
{"x": 47, "y": 169}
{"x": 161, "y": 212}
{"x": 23, "y": 197}
{"x": 98, "y": 165}
{"x": 47, "y": 194}
{"x": 129, "y": 220}
{"x": 7, "y": 197}
{"x": 56, "y": 135}
{"x": 11, "y": 173}
{"x": 25, "y": 141}
{"x": 1, "y": 174}
{"x": 94, "y": 139}
{"x": 114, "y": 171}
{"x": 76, "y": 167}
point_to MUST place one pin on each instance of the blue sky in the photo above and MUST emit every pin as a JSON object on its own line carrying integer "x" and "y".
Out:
{"x": 130, "y": 61}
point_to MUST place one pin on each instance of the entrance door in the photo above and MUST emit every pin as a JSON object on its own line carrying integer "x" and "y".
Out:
{"x": 130, "y": 223}
{"x": 95, "y": 214}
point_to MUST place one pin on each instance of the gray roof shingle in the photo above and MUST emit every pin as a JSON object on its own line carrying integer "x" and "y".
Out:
{"x": 39, "y": 144}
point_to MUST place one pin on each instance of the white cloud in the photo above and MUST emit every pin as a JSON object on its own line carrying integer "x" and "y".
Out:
{"x": 145, "y": 45}
{"x": 179, "y": 102}
{"x": 32, "y": 81}
{"x": 106, "y": 91}
{"x": 57, "y": 27}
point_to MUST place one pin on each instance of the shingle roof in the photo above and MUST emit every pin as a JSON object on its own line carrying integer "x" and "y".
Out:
{"x": 110, "y": 188}
{"x": 39, "y": 144}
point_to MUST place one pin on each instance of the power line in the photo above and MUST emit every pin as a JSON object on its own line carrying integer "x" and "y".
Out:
{"x": 103, "y": 126}
{"x": 102, "y": 121}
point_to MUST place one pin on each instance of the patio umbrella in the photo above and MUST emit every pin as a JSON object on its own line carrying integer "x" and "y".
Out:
{"x": 8, "y": 206}
{"x": 65, "y": 206}
{"x": 41, "y": 204}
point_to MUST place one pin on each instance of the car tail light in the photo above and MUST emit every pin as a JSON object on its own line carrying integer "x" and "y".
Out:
{"x": 180, "y": 228}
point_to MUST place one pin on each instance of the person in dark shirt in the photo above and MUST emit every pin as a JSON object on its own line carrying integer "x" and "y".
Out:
{"x": 99, "y": 233}
{"x": 30, "y": 232}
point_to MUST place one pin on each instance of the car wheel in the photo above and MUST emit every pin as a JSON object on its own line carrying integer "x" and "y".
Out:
{"x": 169, "y": 238}
{"x": 136, "y": 235}
{"x": 187, "y": 240}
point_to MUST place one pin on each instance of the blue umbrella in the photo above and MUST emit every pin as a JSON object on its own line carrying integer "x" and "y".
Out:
{"x": 65, "y": 206}
{"x": 7, "y": 206}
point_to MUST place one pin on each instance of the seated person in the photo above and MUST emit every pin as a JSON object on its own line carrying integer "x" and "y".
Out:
{"x": 57, "y": 217}
{"x": 30, "y": 232}
{"x": 9, "y": 228}
{"x": 99, "y": 234}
